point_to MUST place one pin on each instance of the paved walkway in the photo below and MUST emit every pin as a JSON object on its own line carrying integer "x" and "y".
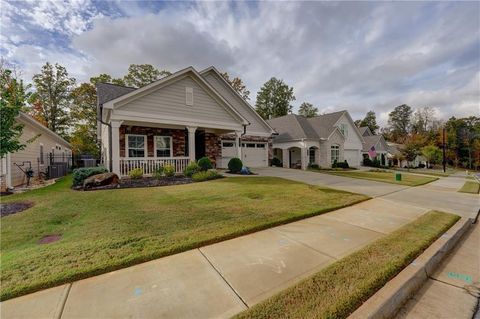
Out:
{"x": 221, "y": 279}
{"x": 453, "y": 290}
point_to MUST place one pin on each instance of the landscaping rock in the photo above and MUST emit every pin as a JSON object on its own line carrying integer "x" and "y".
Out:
{"x": 100, "y": 180}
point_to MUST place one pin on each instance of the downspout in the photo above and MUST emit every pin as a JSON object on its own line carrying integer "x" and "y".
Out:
{"x": 99, "y": 119}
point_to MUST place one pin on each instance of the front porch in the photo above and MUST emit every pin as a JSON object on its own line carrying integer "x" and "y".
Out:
{"x": 149, "y": 146}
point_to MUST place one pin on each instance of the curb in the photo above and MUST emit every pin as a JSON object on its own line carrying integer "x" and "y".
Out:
{"x": 388, "y": 300}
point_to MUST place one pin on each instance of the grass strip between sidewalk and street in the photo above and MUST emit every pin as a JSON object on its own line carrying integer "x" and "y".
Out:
{"x": 106, "y": 230}
{"x": 339, "y": 289}
{"x": 386, "y": 177}
{"x": 471, "y": 187}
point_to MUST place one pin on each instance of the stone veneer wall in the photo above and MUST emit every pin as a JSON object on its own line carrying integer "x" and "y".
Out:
{"x": 178, "y": 138}
{"x": 213, "y": 147}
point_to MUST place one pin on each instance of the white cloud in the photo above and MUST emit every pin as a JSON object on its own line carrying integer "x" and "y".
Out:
{"x": 355, "y": 55}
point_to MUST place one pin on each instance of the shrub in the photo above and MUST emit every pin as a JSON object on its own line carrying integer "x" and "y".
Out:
{"x": 276, "y": 162}
{"x": 421, "y": 165}
{"x": 205, "y": 164}
{"x": 169, "y": 170}
{"x": 191, "y": 169}
{"x": 235, "y": 165}
{"x": 314, "y": 166}
{"x": 376, "y": 162}
{"x": 80, "y": 174}
{"x": 340, "y": 164}
{"x": 367, "y": 162}
{"x": 158, "y": 172}
{"x": 136, "y": 173}
{"x": 206, "y": 175}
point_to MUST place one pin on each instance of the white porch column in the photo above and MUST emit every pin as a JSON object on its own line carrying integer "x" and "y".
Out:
{"x": 303, "y": 152}
{"x": 286, "y": 157}
{"x": 238, "y": 143}
{"x": 191, "y": 142}
{"x": 116, "y": 146}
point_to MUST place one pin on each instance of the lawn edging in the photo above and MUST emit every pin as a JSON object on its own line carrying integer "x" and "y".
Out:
{"x": 388, "y": 300}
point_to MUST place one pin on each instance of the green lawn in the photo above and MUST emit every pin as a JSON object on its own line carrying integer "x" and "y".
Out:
{"x": 387, "y": 177}
{"x": 339, "y": 289}
{"x": 428, "y": 172}
{"x": 470, "y": 187}
{"x": 110, "y": 229}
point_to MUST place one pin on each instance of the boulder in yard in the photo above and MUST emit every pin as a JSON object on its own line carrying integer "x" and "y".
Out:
{"x": 100, "y": 180}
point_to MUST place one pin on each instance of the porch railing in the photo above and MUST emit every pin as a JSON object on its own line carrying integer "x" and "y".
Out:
{"x": 150, "y": 164}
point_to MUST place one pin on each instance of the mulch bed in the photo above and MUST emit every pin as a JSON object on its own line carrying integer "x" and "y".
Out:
{"x": 13, "y": 208}
{"x": 146, "y": 182}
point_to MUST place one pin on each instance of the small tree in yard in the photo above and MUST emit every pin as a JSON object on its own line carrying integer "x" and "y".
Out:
{"x": 432, "y": 153}
{"x": 412, "y": 148}
{"x": 12, "y": 100}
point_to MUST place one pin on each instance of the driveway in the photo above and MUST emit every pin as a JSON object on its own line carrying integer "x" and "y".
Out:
{"x": 439, "y": 195}
{"x": 354, "y": 185}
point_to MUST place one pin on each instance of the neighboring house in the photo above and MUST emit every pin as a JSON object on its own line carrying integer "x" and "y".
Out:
{"x": 374, "y": 146}
{"x": 178, "y": 119}
{"x": 45, "y": 152}
{"x": 320, "y": 140}
{"x": 396, "y": 158}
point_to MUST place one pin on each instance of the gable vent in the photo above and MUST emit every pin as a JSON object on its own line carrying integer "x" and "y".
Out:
{"x": 189, "y": 96}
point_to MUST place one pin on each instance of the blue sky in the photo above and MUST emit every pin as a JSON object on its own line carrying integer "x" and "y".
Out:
{"x": 358, "y": 56}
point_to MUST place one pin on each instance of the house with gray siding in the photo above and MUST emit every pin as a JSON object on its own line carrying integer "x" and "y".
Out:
{"x": 178, "y": 119}
{"x": 319, "y": 140}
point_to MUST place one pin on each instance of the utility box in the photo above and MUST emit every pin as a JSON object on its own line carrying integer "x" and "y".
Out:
{"x": 398, "y": 177}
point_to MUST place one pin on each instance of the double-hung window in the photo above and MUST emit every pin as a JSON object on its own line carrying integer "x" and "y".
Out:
{"x": 335, "y": 153}
{"x": 163, "y": 146}
{"x": 136, "y": 145}
{"x": 344, "y": 129}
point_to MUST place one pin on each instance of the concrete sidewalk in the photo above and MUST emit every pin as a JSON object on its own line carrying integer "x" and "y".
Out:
{"x": 453, "y": 290}
{"x": 221, "y": 279}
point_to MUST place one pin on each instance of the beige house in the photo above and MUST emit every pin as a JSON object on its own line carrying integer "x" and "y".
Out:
{"x": 178, "y": 119}
{"x": 319, "y": 140}
{"x": 45, "y": 152}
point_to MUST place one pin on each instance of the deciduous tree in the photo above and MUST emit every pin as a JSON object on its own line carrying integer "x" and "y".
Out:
{"x": 432, "y": 153}
{"x": 308, "y": 110}
{"x": 370, "y": 121}
{"x": 274, "y": 99}
{"x": 238, "y": 85}
{"x": 399, "y": 121}
{"x": 13, "y": 99}
{"x": 142, "y": 74}
{"x": 53, "y": 89}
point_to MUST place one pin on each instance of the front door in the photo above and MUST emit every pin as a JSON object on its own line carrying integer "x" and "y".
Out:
{"x": 199, "y": 144}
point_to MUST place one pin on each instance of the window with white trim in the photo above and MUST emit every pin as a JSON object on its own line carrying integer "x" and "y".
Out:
{"x": 344, "y": 129}
{"x": 163, "y": 146}
{"x": 136, "y": 145}
{"x": 334, "y": 153}
{"x": 228, "y": 144}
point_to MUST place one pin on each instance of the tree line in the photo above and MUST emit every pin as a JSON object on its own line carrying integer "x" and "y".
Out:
{"x": 69, "y": 108}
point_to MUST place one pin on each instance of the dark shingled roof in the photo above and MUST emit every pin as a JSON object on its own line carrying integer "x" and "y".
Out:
{"x": 365, "y": 131}
{"x": 107, "y": 92}
{"x": 295, "y": 127}
{"x": 370, "y": 141}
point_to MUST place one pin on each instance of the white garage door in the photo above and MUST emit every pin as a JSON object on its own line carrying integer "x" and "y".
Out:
{"x": 254, "y": 154}
{"x": 352, "y": 157}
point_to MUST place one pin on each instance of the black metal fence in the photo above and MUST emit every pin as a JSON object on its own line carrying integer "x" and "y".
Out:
{"x": 54, "y": 165}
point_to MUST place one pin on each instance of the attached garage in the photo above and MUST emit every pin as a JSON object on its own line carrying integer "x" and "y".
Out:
{"x": 352, "y": 157}
{"x": 254, "y": 154}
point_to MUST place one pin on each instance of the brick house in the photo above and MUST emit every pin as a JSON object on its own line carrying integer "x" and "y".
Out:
{"x": 178, "y": 119}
